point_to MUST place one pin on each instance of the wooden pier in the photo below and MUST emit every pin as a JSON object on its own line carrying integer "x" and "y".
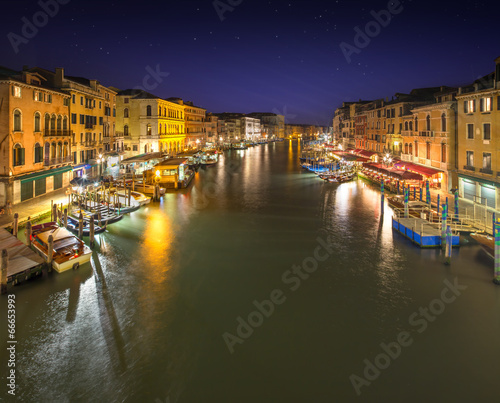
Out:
{"x": 421, "y": 232}
{"x": 22, "y": 262}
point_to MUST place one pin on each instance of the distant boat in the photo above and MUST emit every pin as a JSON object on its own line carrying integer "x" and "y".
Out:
{"x": 73, "y": 226}
{"x": 239, "y": 146}
{"x": 68, "y": 251}
{"x": 209, "y": 158}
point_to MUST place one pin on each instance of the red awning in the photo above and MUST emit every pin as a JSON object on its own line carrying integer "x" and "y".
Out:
{"x": 423, "y": 170}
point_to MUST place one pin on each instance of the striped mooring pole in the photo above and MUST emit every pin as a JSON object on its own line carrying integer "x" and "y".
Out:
{"x": 496, "y": 231}
{"x": 407, "y": 196}
{"x": 456, "y": 204}
{"x": 428, "y": 193}
{"x": 397, "y": 182}
{"x": 439, "y": 201}
{"x": 414, "y": 192}
{"x": 447, "y": 259}
{"x": 382, "y": 197}
{"x": 443, "y": 225}
{"x": 421, "y": 193}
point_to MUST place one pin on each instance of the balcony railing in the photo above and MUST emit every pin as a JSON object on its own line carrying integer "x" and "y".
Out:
{"x": 56, "y": 161}
{"x": 441, "y": 134}
{"x": 119, "y": 134}
{"x": 56, "y": 132}
{"x": 469, "y": 168}
{"x": 426, "y": 133}
{"x": 486, "y": 171}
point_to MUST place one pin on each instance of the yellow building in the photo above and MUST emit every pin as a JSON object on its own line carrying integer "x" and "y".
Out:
{"x": 195, "y": 127}
{"x": 149, "y": 123}
{"x": 478, "y": 142}
{"x": 92, "y": 108}
{"x": 35, "y": 143}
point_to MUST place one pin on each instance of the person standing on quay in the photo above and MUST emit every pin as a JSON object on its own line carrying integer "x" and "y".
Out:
{"x": 8, "y": 207}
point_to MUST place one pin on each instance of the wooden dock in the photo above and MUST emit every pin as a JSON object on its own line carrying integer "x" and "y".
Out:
{"x": 23, "y": 263}
{"x": 421, "y": 232}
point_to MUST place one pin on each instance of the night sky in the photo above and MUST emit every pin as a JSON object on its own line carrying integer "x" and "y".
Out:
{"x": 275, "y": 56}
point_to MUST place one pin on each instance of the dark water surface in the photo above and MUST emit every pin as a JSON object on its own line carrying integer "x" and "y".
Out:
{"x": 146, "y": 321}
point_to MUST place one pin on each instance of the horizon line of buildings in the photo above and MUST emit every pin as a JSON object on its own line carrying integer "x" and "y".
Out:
{"x": 448, "y": 134}
{"x": 55, "y": 127}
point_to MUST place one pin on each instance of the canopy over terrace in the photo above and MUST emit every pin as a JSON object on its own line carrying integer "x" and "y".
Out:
{"x": 393, "y": 172}
{"x": 429, "y": 173}
{"x": 347, "y": 156}
{"x": 141, "y": 163}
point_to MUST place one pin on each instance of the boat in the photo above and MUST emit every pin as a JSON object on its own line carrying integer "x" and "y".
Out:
{"x": 107, "y": 217}
{"x": 68, "y": 252}
{"x": 136, "y": 198}
{"x": 209, "y": 158}
{"x": 73, "y": 226}
{"x": 487, "y": 242}
{"x": 139, "y": 186}
{"x": 239, "y": 146}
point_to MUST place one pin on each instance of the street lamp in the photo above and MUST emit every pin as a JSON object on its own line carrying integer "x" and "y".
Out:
{"x": 387, "y": 159}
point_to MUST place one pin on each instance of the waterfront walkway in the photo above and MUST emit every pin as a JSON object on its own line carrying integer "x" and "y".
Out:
{"x": 33, "y": 208}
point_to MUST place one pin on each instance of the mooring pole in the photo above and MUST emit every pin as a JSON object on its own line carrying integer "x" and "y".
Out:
{"x": 496, "y": 231}
{"x": 443, "y": 225}
{"x": 28, "y": 233}
{"x": 54, "y": 212}
{"x": 382, "y": 197}
{"x": 456, "y": 204}
{"x": 407, "y": 197}
{"x": 65, "y": 218}
{"x": 50, "y": 252}
{"x": 91, "y": 234}
{"x": 129, "y": 190}
{"x": 3, "y": 271}
{"x": 80, "y": 226}
{"x": 15, "y": 224}
{"x": 449, "y": 240}
{"x": 421, "y": 193}
{"x": 439, "y": 205}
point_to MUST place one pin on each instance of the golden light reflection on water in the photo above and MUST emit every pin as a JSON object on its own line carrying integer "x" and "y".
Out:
{"x": 157, "y": 244}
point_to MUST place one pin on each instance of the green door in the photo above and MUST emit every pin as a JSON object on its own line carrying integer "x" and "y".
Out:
{"x": 26, "y": 190}
{"x": 39, "y": 186}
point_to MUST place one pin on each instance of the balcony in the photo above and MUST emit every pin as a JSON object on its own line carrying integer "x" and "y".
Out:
{"x": 149, "y": 137}
{"x": 407, "y": 133}
{"x": 119, "y": 135}
{"x": 54, "y": 133}
{"x": 426, "y": 133}
{"x": 487, "y": 171}
{"x": 57, "y": 161}
{"x": 441, "y": 134}
{"x": 469, "y": 168}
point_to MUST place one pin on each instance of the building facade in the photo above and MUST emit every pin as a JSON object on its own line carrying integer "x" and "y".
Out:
{"x": 196, "y": 136}
{"x": 478, "y": 142}
{"x": 35, "y": 140}
{"x": 272, "y": 124}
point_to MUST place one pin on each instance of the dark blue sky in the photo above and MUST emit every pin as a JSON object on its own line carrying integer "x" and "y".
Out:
{"x": 281, "y": 56}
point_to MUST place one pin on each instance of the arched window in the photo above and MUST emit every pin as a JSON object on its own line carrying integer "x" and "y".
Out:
{"x": 65, "y": 150}
{"x": 125, "y": 130}
{"x": 443, "y": 152}
{"x": 59, "y": 124}
{"x": 38, "y": 153}
{"x": 46, "y": 123}
{"x": 443, "y": 122}
{"x": 53, "y": 151}
{"x": 416, "y": 124}
{"x": 65, "y": 123}
{"x": 148, "y": 129}
{"x": 428, "y": 123}
{"x": 125, "y": 113}
{"x": 53, "y": 123}
{"x": 411, "y": 125}
{"x": 406, "y": 148}
{"x": 159, "y": 111}
{"x": 59, "y": 150}
{"x": 17, "y": 121}
{"x": 164, "y": 111}
{"x": 148, "y": 110}
{"x": 411, "y": 149}
{"x": 37, "y": 122}
{"x": 18, "y": 155}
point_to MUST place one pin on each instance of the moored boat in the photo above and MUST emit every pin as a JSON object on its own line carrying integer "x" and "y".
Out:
{"x": 73, "y": 226}
{"x": 68, "y": 251}
{"x": 487, "y": 242}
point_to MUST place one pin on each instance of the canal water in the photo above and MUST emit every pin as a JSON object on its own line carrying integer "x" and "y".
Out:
{"x": 259, "y": 283}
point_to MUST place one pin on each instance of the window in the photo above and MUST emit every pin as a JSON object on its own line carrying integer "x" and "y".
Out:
{"x": 17, "y": 121}
{"x": 486, "y": 131}
{"x": 49, "y": 98}
{"x": 487, "y": 162}
{"x": 114, "y": 112}
{"x": 16, "y": 91}
{"x": 135, "y": 148}
{"x": 82, "y": 119}
{"x": 148, "y": 110}
{"x": 38, "y": 153}
{"x": 37, "y": 122}
{"x": 428, "y": 151}
{"x": 73, "y": 118}
{"x": 125, "y": 130}
{"x": 73, "y": 98}
{"x": 443, "y": 152}
{"x": 125, "y": 113}
{"x": 125, "y": 101}
{"x": 148, "y": 129}
{"x": 65, "y": 123}
{"x": 470, "y": 106}
{"x": 416, "y": 124}
{"x": 18, "y": 155}
{"x": 428, "y": 123}
{"x": 470, "y": 131}
{"x": 37, "y": 96}
{"x": 101, "y": 121}
{"x": 470, "y": 158}
{"x": 81, "y": 100}
{"x": 443, "y": 122}
{"x": 485, "y": 105}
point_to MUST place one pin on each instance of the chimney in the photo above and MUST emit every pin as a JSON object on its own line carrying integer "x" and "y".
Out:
{"x": 59, "y": 77}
